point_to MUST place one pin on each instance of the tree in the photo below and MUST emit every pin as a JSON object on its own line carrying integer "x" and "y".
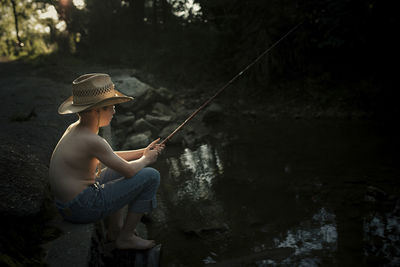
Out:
{"x": 19, "y": 43}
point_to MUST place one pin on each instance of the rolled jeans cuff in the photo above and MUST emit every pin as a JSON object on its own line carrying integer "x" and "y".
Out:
{"x": 143, "y": 206}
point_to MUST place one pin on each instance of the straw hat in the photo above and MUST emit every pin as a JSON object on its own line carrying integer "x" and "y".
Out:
{"x": 92, "y": 91}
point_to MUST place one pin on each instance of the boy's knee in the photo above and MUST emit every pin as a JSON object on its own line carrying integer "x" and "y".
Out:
{"x": 153, "y": 175}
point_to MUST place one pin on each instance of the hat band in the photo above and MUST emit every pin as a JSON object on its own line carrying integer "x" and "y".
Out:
{"x": 97, "y": 95}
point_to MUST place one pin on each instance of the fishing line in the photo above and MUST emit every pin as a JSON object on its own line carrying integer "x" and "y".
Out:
{"x": 229, "y": 83}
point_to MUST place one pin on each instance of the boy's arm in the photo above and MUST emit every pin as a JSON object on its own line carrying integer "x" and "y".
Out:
{"x": 104, "y": 153}
{"x": 130, "y": 154}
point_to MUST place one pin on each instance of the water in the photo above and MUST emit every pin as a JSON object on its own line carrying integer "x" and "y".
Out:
{"x": 304, "y": 193}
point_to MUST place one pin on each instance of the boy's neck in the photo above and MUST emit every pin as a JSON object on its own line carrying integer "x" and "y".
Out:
{"x": 89, "y": 124}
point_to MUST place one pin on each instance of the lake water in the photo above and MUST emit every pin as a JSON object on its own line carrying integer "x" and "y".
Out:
{"x": 276, "y": 192}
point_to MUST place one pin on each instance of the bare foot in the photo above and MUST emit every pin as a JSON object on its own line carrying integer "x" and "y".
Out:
{"x": 111, "y": 236}
{"x": 134, "y": 242}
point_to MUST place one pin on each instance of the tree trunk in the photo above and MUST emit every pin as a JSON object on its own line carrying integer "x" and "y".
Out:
{"x": 19, "y": 43}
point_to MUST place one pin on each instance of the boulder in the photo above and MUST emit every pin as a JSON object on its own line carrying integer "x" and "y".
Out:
{"x": 142, "y": 125}
{"x": 23, "y": 181}
{"x": 194, "y": 133}
{"x": 143, "y": 102}
{"x": 138, "y": 141}
{"x": 124, "y": 120}
{"x": 177, "y": 139}
{"x": 31, "y": 128}
{"x": 165, "y": 93}
{"x": 213, "y": 113}
{"x": 160, "y": 109}
{"x": 130, "y": 85}
{"x": 158, "y": 120}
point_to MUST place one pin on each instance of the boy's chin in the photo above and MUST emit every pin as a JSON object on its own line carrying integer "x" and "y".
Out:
{"x": 104, "y": 125}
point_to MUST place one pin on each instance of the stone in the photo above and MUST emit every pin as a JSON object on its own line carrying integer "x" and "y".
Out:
{"x": 130, "y": 85}
{"x": 143, "y": 102}
{"x": 177, "y": 139}
{"x": 158, "y": 120}
{"x": 165, "y": 93}
{"x": 213, "y": 113}
{"x": 23, "y": 181}
{"x": 195, "y": 132}
{"x": 142, "y": 125}
{"x": 124, "y": 120}
{"x": 137, "y": 141}
{"x": 160, "y": 109}
{"x": 73, "y": 247}
{"x": 28, "y": 139}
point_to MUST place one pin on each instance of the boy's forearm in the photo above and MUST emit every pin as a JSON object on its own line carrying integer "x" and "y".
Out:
{"x": 137, "y": 166}
{"x": 130, "y": 155}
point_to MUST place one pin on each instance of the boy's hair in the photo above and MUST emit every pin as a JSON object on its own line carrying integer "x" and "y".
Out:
{"x": 88, "y": 110}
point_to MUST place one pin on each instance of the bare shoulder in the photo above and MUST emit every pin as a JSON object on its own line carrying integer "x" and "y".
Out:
{"x": 82, "y": 140}
{"x": 96, "y": 144}
{"x": 93, "y": 140}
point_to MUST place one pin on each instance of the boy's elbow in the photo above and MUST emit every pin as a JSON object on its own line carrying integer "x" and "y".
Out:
{"x": 130, "y": 173}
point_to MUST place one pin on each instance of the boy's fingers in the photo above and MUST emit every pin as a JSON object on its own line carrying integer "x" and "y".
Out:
{"x": 155, "y": 141}
{"x": 152, "y": 144}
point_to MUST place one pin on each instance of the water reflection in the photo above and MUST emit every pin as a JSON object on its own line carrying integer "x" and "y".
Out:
{"x": 203, "y": 165}
{"x": 318, "y": 233}
{"x": 382, "y": 235}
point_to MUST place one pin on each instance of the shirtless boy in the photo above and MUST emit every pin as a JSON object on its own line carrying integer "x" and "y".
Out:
{"x": 82, "y": 196}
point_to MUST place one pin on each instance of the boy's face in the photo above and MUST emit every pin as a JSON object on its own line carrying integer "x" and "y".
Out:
{"x": 106, "y": 115}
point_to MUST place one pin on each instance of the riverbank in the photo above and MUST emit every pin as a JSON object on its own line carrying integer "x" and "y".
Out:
{"x": 33, "y": 91}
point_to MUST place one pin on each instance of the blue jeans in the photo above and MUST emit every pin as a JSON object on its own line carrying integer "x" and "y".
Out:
{"x": 110, "y": 193}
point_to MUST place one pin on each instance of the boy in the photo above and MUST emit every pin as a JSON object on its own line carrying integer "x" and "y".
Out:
{"x": 83, "y": 197}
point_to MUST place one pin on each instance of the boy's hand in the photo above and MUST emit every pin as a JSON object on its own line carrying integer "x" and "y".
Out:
{"x": 152, "y": 151}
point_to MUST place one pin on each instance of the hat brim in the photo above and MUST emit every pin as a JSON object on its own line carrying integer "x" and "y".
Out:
{"x": 67, "y": 107}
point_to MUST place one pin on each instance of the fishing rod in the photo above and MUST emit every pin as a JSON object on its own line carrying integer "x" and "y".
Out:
{"x": 228, "y": 83}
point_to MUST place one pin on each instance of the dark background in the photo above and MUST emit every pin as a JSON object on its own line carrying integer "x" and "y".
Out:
{"x": 342, "y": 54}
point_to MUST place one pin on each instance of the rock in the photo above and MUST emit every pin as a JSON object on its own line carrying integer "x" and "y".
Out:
{"x": 160, "y": 109}
{"x": 121, "y": 257}
{"x": 177, "y": 139}
{"x": 194, "y": 133}
{"x": 143, "y": 102}
{"x": 165, "y": 93}
{"x": 27, "y": 140}
{"x": 23, "y": 181}
{"x": 124, "y": 120}
{"x": 142, "y": 125}
{"x": 73, "y": 247}
{"x": 140, "y": 114}
{"x": 375, "y": 193}
{"x": 130, "y": 85}
{"x": 137, "y": 141}
{"x": 213, "y": 114}
{"x": 203, "y": 231}
{"x": 119, "y": 135}
{"x": 158, "y": 120}
{"x": 180, "y": 110}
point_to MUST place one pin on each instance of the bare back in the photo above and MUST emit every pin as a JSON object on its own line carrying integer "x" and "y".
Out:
{"x": 72, "y": 165}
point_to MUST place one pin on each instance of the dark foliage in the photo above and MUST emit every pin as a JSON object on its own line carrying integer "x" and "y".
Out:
{"x": 338, "y": 42}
